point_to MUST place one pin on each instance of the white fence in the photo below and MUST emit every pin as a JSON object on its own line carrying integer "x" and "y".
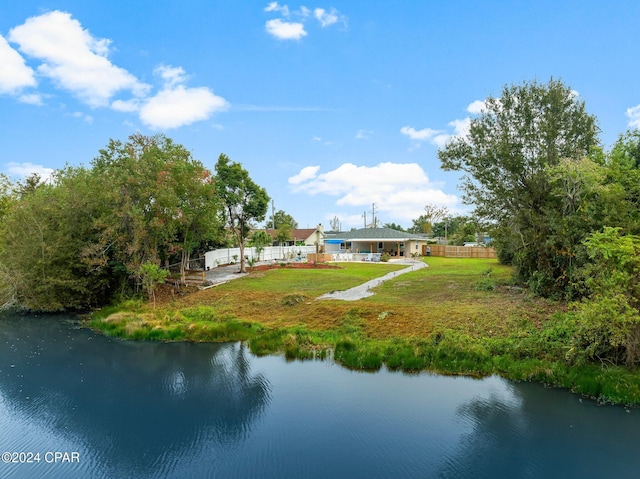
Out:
{"x": 277, "y": 253}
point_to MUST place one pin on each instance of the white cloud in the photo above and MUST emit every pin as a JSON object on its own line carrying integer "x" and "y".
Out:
{"x": 23, "y": 170}
{"x": 363, "y": 134}
{"x": 171, "y": 75}
{"x": 400, "y": 191}
{"x": 175, "y": 105}
{"x": 477, "y": 107}
{"x": 31, "y": 99}
{"x": 307, "y": 173}
{"x": 419, "y": 135}
{"x": 276, "y": 7}
{"x": 14, "y": 74}
{"x": 126, "y": 106}
{"x": 82, "y": 116}
{"x": 74, "y": 59}
{"x": 634, "y": 116}
{"x": 326, "y": 18}
{"x": 461, "y": 127}
{"x": 440, "y": 138}
{"x": 179, "y": 106}
{"x": 285, "y": 30}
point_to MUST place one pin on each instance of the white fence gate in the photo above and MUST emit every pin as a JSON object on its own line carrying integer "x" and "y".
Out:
{"x": 270, "y": 253}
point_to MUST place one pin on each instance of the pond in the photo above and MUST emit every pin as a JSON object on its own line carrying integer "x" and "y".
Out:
{"x": 74, "y": 404}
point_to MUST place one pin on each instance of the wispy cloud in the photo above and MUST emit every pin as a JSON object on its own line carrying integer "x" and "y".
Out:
{"x": 82, "y": 116}
{"x": 633, "y": 114}
{"x": 440, "y": 138}
{"x": 363, "y": 134}
{"x": 326, "y": 18}
{"x": 276, "y": 7}
{"x": 291, "y": 24}
{"x": 31, "y": 99}
{"x": 267, "y": 108}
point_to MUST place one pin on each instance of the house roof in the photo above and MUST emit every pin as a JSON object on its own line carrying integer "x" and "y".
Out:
{"x": 377, "y": 234}
{"x": 298, "y": 233}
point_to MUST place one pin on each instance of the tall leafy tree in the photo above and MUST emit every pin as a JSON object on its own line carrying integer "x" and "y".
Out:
{"x": 165, "y": 202}
{"x": 42, "y": 237}
{"x": 505, "y": 159}
{"x": 426, "y": 221}
{"x": 76, "y": 240}
{"x": 8, "y": 196}
{"x": 242, "y": 199}
{"x": 280, "y": 219}
{"x": 393, "y": 226}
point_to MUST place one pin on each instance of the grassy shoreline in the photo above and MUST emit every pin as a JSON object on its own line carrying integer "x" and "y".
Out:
{"x": 459, "y": 316}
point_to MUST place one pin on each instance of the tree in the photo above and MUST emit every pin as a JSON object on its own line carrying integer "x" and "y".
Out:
{"x": 30, "y": 184}
{"x": 505, "y": 157}
{"x": 425, "y": 222}
{"x": 608, "y": 319}
{"x": 259, "y": 240}
{"x": 394, "y": 226}
{"x": 151, "y": 275}
{"x": 334, "y": 224}
{"x": 73, "y": 242}
{"x": 165, "y": 202}
{"x": 42, "y": 237}
{"x": 280, "y": 219}
{"x": 242, "y": 199}
{"x": 282, "y": 234}
{"x": 8, "y": 197}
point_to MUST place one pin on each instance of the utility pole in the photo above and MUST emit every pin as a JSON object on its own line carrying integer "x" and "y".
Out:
{"x": 273, "y": 221}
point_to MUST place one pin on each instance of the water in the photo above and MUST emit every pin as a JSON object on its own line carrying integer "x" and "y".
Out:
{"x": 151, "y": 410}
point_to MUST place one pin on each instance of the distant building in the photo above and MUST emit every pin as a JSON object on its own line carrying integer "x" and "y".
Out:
{"x": 301, "y": 236}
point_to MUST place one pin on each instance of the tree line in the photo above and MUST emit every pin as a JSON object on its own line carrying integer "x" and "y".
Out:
{"x": 562, "y": 210}
{"x": 91, "y": 234}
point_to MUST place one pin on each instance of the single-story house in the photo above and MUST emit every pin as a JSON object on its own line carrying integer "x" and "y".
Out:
{"x": 301, "y": 236}
{"x": 375, "y": 240}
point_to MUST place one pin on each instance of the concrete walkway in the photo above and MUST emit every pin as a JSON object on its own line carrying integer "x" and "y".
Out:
{"x": 364, "y": 290}
{"x": 223, "y": 274}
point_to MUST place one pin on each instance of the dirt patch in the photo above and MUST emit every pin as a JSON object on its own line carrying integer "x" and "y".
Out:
{"x": 165, "y": 293}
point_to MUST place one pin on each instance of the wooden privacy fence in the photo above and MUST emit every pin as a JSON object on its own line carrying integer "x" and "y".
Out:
{"x": 460, "y": 251}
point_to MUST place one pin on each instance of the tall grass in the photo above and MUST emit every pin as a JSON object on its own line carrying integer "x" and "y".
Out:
{"x": 458, "y": 316}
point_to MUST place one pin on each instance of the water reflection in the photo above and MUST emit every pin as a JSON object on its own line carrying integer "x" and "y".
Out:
{"x": 529, "y": 431}
{"x": 143, "y": 409}
{"x": 136, "y": 406}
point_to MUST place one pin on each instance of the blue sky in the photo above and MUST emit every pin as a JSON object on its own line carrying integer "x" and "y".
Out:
{"x": 332, "y": 107}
